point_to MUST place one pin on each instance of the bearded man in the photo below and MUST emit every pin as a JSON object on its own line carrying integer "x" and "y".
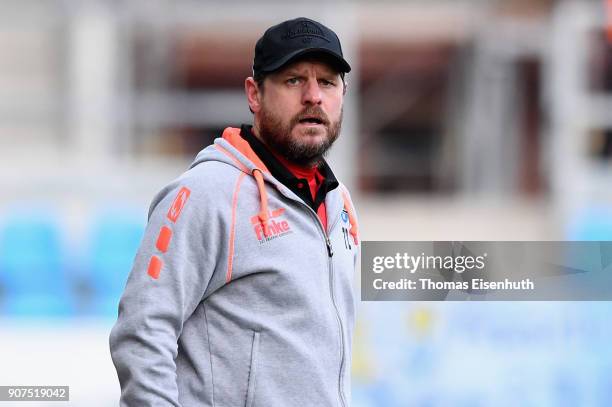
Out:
{"x": 241, "y": 292}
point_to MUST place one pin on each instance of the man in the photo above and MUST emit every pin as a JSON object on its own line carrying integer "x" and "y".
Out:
{"x": 241, "y": 292}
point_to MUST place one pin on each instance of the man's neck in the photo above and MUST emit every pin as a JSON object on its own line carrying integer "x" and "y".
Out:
{"x": 299, "y": 171}
{"x": 255, "y": 131}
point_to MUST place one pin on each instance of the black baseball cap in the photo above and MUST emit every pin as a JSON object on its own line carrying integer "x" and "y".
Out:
{"x": 285, "y": 42}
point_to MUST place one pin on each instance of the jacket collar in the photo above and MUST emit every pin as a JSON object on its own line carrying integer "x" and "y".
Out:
{"x": 286, "y": 177}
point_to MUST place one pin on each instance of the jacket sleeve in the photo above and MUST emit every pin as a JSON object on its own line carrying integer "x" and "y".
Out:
{"x": 171, "y": 272}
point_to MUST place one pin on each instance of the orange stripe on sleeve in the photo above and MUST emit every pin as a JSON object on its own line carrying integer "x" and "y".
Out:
{"x": 163, "y": 240}
{"x": 155, "y": 265}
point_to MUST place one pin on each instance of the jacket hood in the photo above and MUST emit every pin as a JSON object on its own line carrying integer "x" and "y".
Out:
{"x": 232, "y": 149}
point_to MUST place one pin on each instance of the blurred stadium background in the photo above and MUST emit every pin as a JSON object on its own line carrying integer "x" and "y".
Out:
{"x": 465, "y": 120}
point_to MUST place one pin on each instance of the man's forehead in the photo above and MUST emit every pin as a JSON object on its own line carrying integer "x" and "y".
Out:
{"x": 308, "y": 63}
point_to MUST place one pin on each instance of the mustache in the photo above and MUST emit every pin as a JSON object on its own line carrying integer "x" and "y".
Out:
{"x": 311, "y": 112}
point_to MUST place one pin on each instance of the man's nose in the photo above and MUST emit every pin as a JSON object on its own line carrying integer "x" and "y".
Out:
{"x": 312, "y": 93}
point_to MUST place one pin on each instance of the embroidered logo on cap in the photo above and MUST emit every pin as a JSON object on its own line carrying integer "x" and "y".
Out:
{"x": 304, "y": 29}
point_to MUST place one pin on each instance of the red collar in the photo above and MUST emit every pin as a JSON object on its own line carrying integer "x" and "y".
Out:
{"x": 298, "y": 170}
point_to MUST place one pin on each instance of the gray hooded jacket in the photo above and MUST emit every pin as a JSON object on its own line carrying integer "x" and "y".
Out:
{"x": 237, "y": 296}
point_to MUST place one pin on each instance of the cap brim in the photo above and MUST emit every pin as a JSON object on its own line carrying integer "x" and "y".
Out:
{"x": 341, "y": 62}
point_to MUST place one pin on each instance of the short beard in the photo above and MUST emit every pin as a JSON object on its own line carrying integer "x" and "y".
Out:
{"x": 278, "y": 137}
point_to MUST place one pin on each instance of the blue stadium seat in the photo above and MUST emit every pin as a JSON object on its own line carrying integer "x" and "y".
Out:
{"x": 592, "y": 223}
{"x": 31, "y": 271}
{"x": 115, "y": 237}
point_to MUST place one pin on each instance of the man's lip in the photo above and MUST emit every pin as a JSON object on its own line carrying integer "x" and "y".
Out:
{"x": 308, "y": 118}
{"x": 310, "y": 124}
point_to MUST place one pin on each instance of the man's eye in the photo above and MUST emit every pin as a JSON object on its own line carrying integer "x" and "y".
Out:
{"x": 293, "y": 81}
{"x": 327, "y": 83}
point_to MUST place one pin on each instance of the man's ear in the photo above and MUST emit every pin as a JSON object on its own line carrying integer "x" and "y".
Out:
{"x": 253, "y": 94}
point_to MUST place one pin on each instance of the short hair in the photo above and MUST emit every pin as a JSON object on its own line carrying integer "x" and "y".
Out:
{"x": 259, "y": 78}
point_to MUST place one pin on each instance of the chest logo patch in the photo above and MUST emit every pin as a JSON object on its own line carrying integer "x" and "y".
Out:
{"x": 345, "y": 229}
{"x": 276, "y": 226}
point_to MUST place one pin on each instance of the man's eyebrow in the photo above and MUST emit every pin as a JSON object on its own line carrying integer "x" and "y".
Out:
{"x": 330, "y": 72}
{"x": 292, "y": 72}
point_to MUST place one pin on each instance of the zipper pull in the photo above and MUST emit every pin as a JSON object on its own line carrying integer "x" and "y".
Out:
{"x": 330, "y": 250}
